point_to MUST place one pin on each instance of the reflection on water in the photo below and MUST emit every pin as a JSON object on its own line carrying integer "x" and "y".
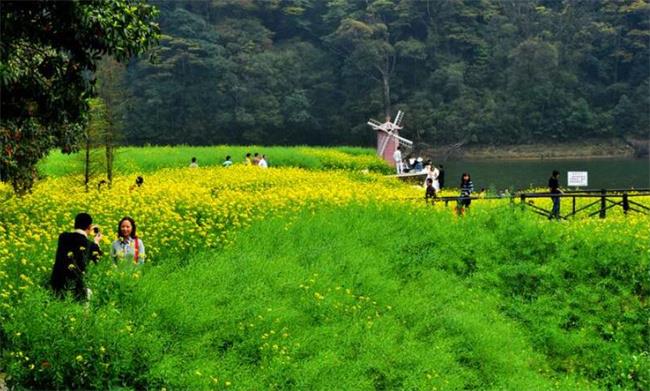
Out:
{"x": 523, "y": 174}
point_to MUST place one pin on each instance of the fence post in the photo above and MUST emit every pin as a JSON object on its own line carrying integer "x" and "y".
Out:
{"x": 603, "y": 212}
{"x": 574, "y": 205}
{"x": 522, "y": 197}
{"x": 626, "y": 204}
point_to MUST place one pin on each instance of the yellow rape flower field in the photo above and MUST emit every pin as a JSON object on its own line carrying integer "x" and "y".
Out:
{"x": 178, "y": 208}
{"x": 181, "y": 212}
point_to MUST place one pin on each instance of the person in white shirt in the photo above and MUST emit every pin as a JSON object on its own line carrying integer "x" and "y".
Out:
{"x": 227, "y": 162}
{"x": 262, "y": 163}
{"x": 194, "y": 164}
{"x": 432, "y": 173}
{"x": 397, "y": 157}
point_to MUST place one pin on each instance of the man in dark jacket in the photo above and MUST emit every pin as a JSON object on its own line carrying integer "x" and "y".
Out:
{"x": 73, "y": 253}
{"x": 441, "y": 176}
{"x": 554, "y": 188}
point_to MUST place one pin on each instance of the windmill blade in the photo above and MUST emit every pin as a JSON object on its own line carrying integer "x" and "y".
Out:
{"x": 374, "y": 123}
{"x": 398, "y": 118}
{"x": 403, "y": 140}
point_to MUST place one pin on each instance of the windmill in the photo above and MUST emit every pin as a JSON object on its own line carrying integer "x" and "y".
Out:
{"x": 388, "y": 137}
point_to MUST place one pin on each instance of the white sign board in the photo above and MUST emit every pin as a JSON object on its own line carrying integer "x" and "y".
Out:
{"x": 577, "y": 178}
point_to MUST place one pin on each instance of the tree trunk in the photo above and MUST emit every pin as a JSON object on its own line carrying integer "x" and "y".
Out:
{"x": 386, "y": 80}
{"x": 109, "y": 160}
{"x": 87, "y": 162}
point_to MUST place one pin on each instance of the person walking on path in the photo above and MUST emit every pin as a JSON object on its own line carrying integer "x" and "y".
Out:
{"x": 466, "y": 189}
{"x": 73, "y": 253}
{"x": 554, "y": 188}
{"x": 397, "y": 158}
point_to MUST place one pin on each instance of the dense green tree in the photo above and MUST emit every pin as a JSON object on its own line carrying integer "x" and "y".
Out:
{"x": 48, "y": 53}
{"x": 464, "y": 71}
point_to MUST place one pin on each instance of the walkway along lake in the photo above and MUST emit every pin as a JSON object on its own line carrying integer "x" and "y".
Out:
{"x": 525, "y": 174}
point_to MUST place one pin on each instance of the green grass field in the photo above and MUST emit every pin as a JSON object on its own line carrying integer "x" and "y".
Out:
{"x": 361, "y": 297}
{"x": 134, "y": 160}
{"x": 318, "y": 279}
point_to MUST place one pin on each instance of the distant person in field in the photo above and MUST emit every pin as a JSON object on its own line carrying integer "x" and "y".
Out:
{"x": 430, "y": 192}
{"x": 256, "y": 159}
{"x": 139, "y": 181}
{"x": 554, "y": 188}
{"x": 227, "y": 162}
{"x": 74, "y": 251}
{"x": 263, "y": 163}
{"x": 432, "y": 173}
{"x": 397, "y": 158}
{"x": 193, "y": 163}
{"x": 248, "y": 161}
{"x": 466, "y": 190}
{"x": 441, "y": 177}
{"x": 127, "y": 246}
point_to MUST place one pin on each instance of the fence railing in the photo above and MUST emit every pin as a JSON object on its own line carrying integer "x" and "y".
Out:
{"x": 606, "y": 199}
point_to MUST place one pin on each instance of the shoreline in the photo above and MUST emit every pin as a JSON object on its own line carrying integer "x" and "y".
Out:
{"x": 467, "y": 157}
{"x": 591, "y": 149}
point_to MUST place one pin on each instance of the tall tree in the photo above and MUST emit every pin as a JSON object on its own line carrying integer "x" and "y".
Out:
{"x": 48, "y": 53}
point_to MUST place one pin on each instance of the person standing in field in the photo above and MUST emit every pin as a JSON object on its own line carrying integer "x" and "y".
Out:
{"x": 430, "y": 192}
{"x": 554, "y": 188}
{"x": 139, "y": 181}
{"x": 73, "y": 253}
{"x": 432, "y": 173}
{"x": 256, "y": 159}
{"x": 194, "y": 164}
{"x": 466, "y": 189}
{"x": 263, "y": 163}
{"x": 247, "y": 159}
{"x": 397, "y": 158}
{"x": 441, "y": 177}
{"x": 227, "y": 162}
{"x": 127, "y": 246}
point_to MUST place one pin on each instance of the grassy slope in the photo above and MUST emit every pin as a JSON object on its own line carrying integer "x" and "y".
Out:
{"x": 377, "y": 297}
{"x": 492, "y": 301}
{"x": 412, "y": 331}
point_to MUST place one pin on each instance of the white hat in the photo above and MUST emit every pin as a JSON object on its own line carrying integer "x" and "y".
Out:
{"x": 420, "y": 159}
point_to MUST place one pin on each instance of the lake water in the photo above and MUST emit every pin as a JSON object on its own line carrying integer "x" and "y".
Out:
{"x": 523, "y": 174}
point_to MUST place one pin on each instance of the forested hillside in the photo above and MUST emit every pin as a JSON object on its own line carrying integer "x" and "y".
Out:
{"x": 313, "y": 72}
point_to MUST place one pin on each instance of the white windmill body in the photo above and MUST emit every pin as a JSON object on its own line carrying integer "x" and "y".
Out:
{"x": 388, "y": 138}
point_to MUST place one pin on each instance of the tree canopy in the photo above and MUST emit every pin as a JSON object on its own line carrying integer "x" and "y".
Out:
{"x": 489, "y": 71}
{"x": 313, "y": 72}
{"x": 48, "y": 54}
